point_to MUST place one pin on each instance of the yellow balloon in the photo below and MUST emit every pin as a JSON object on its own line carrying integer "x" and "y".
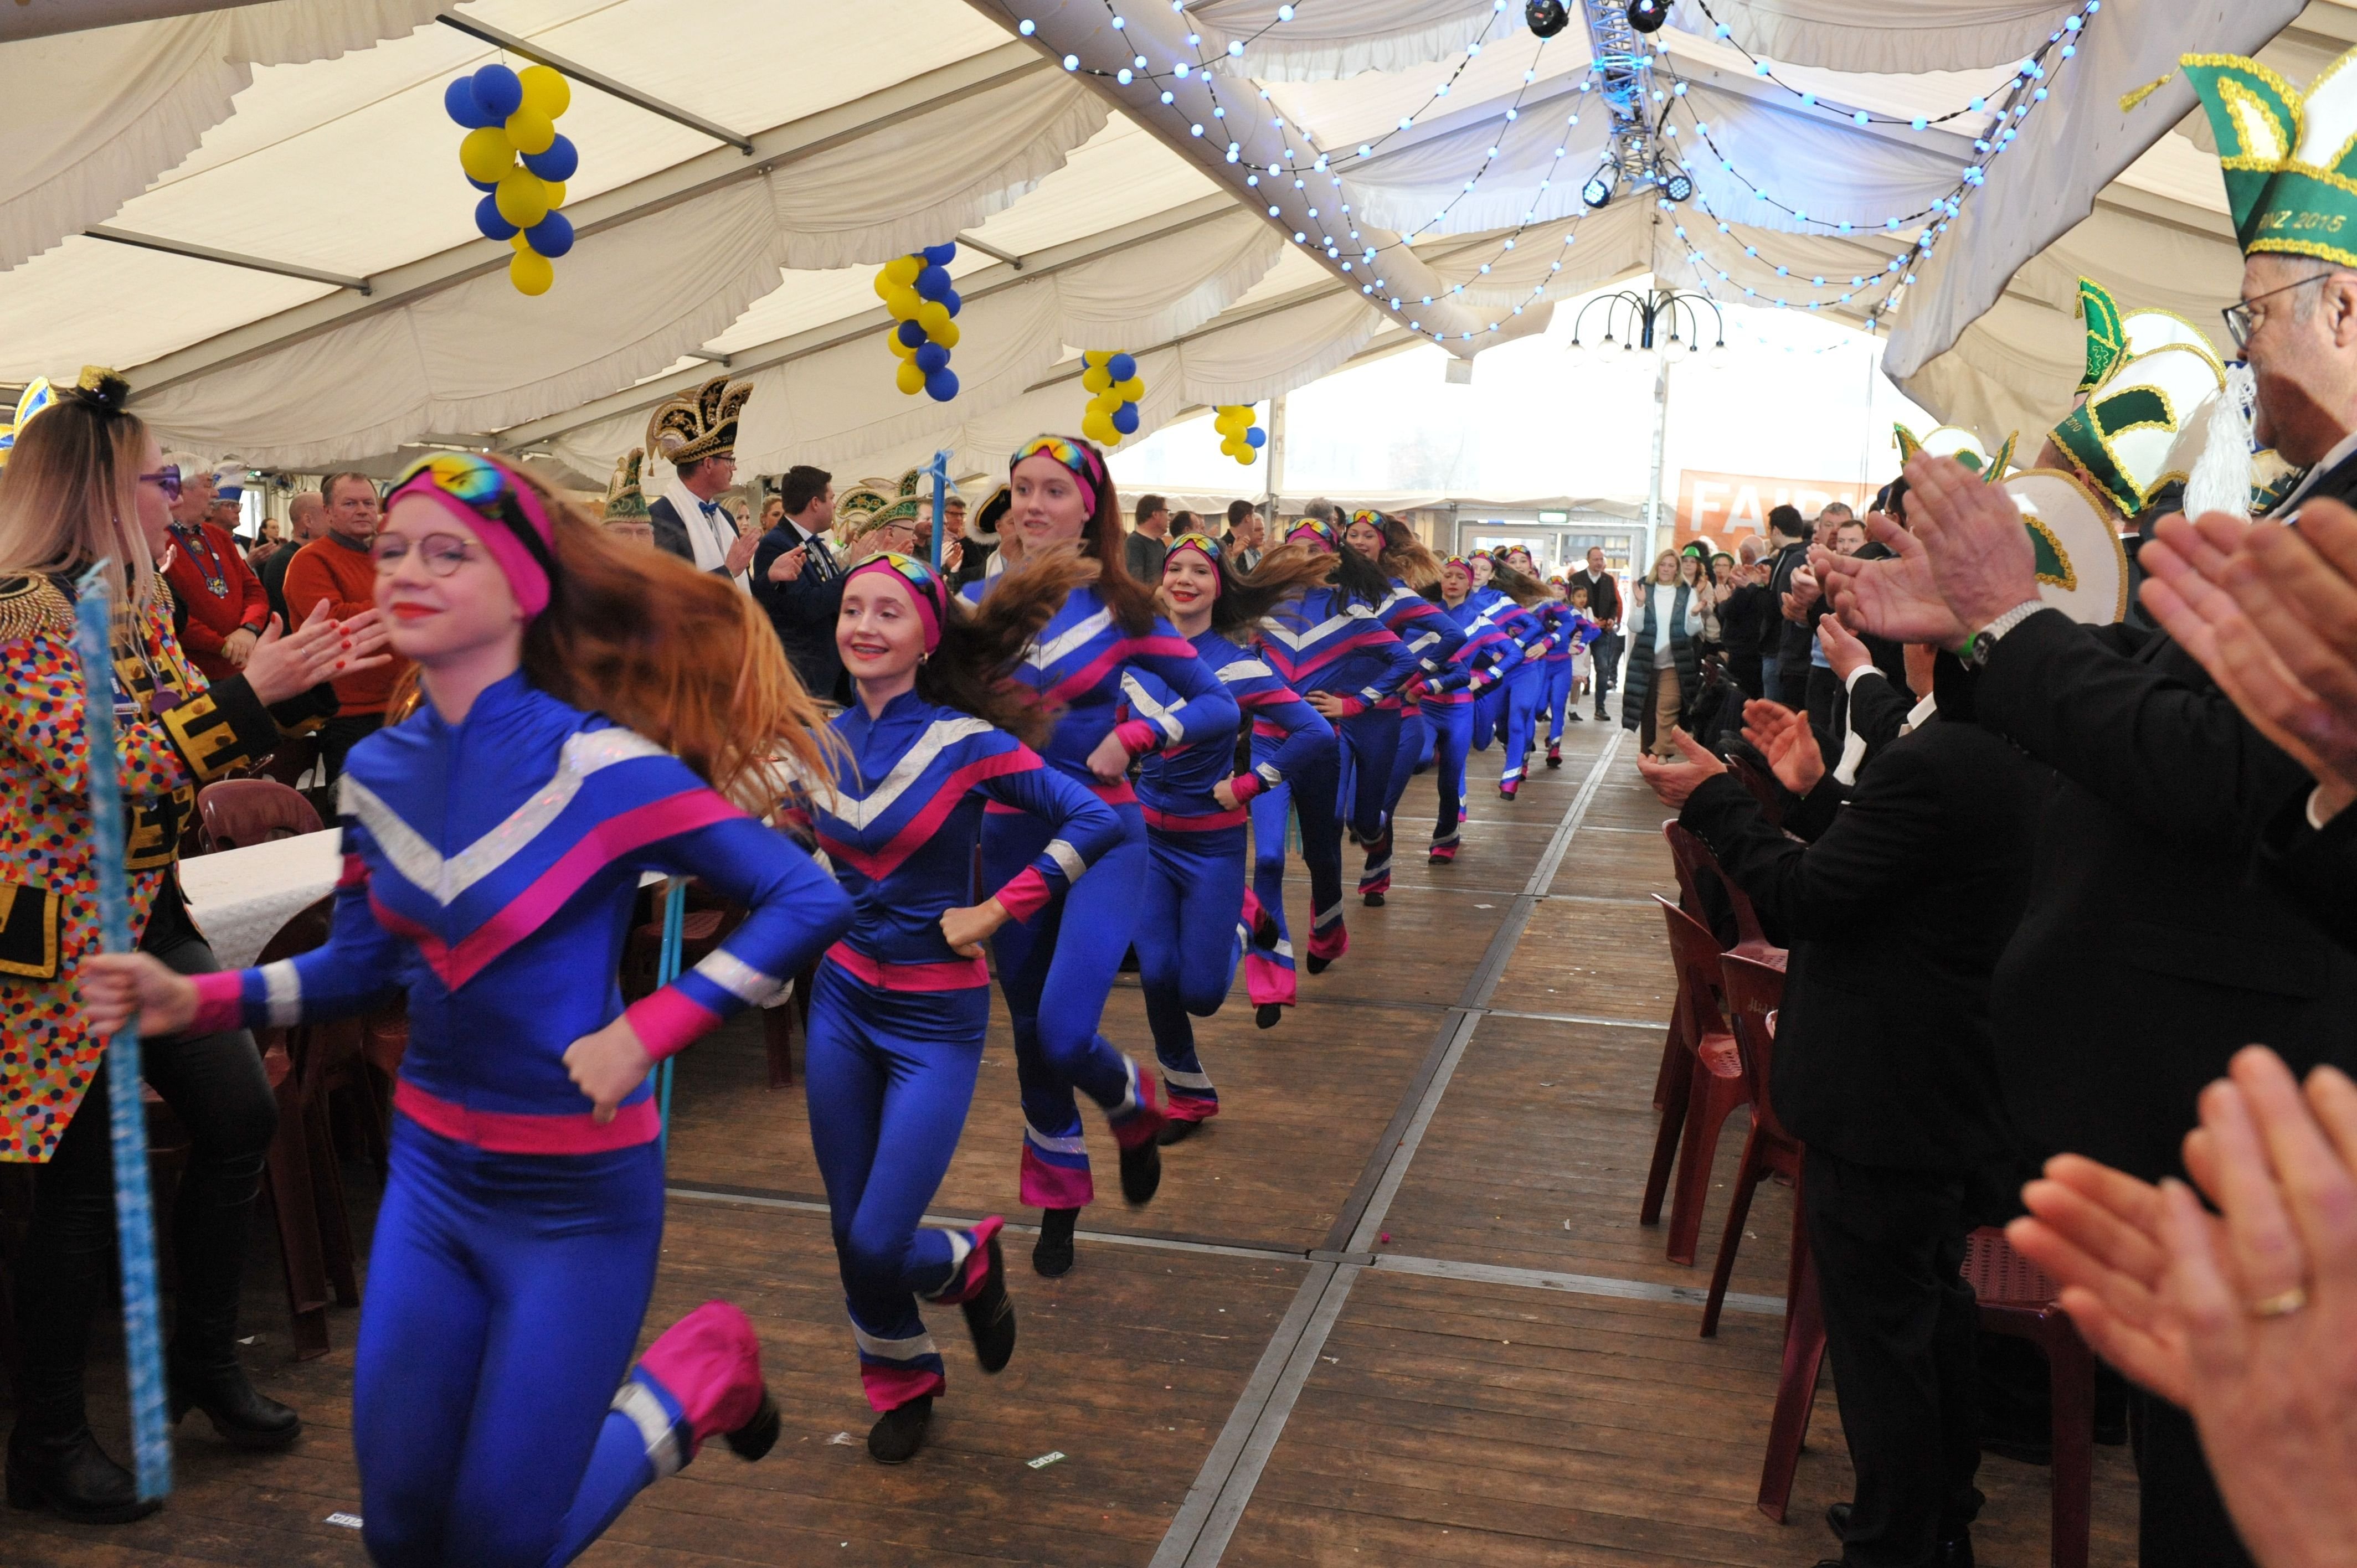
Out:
{"x": 531, "y": 133}
{"x": 1095, "y": 356}
{"x": 903, "y": 270}
{"x": 1095, "y": 380}
{"x": 903, "y": 350}
{"x": 883, "y": 284}
{"x": 519, "y": 240}
{"x": 530, "y": 272}
{"x": 521, "y": 197}
{"x": 902, "y": 302}
{"x": 546, "y": 91}
{"x": 1131, "y": 389}
{"x": 947, "y": 337}
{"x": 1097, "y": 426}
{"x": 934, "y": 317}
{"x": 555, "y": 193}
{"x": 910, "y": 378}
{"x": 485, "y": 154}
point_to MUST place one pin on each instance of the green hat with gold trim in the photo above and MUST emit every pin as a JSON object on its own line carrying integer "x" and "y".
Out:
{"x": 2083, "y": 567}
{"x": 1954, "y": 441}
{"x": 2107, "y": 337}
{"x": 2121, "y": 437}
{"x": 2289, "y": 158}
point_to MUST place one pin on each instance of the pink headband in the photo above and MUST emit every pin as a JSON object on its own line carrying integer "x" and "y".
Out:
{"x": 920, "y": 589}
{"x": 1076, "y": 457}
{"x": 503, "y": 510}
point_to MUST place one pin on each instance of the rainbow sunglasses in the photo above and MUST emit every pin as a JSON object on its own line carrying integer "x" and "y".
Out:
{"x": 1324, "y": 530}
{"x": 1064, "y": 451}
{"x": 1203, "y": 541}
{"x": 1372, "y": 519}
{"x": 925, "y": 584}
{"x": 488, "y": 488}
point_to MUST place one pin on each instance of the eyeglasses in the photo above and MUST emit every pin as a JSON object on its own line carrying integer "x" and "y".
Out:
{"x": 167, "y": 479}
{"x": 442, "y": 553}
{"x": 2240, "y": 322}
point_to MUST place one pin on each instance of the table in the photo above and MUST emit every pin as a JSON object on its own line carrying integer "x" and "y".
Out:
{"x": 241, "y": 897}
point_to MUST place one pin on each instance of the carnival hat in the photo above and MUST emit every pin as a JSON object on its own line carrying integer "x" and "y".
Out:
{"x": 36, "y": 397}
{"x": 624, "y": 499}
{"x": 2120, "y": 438}
{"x": 698, "y": 425}
{"x": 2289, "y": 158}
{"x": 1953, "y": 441}
{"x": 2082, "y": 569}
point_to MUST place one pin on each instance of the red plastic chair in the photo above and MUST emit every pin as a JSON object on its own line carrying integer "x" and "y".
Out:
{"x": 2017, "y": 1297}
{"x": 1754, "y": 992}
{"x": 240, "y": 812}
{"x": 1700, "y": 1101}
{"x": 1796, "y": 1384}
{"x": 1691, "y": 859}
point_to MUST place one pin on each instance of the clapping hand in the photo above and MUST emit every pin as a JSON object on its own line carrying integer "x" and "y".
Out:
{"x": 1980, "y": 553}
{"x": 789, "y": 566}
{"x": 1674, "y": 781}
{"x": 1786, "y": 739}
{"x": 321, "y": 649}
{"x": 1897, "y": 597}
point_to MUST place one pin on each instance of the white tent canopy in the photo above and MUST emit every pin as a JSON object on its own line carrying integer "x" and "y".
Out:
{"x": 289, "y": 271}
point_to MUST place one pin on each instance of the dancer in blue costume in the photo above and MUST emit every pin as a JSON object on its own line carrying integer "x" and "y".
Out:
{"x": 1514, "y": 611}
{"x": 903, "y": 1001}
{"x": 1195, "y": 811}
{"x": 1431, "y": 636}
{"x": 1482, "y": 661}
{"x": 1057, "y": 967}
{"x": 588, "y": 714}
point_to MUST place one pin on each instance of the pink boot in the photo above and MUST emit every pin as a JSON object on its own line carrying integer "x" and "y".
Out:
{"x": 709, "y": 1366}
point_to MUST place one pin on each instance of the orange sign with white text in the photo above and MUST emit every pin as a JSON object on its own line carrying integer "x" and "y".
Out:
{"x": 1725, "y": 507}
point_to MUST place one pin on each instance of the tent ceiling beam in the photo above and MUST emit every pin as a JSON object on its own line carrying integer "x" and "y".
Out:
{"x": 775, "y": 148}
{"x": 1174, "y": 224}
{"x": 993, "y": 251}
{"x": 226, "y": 258}
{"x": 501, "y": 39}
{"x": 44, "y": 18}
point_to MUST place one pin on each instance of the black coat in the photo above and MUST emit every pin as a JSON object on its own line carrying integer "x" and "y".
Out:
{"x": 1782, "y": 639}
{"x": 2315, "y": 870}
{"x": 804, "y": 611}
{"x": 2150, "y": 951}
{"x": 1896, "y": 916}
{"x": 1637, "y": 686}
{"x": 1603, "y": 595}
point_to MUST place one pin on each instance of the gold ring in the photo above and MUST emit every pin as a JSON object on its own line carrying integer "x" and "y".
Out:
{"x": 2281, "y": 1304}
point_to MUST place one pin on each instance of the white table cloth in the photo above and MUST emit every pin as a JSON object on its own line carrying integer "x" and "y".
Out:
{"x": 242, "y": 897}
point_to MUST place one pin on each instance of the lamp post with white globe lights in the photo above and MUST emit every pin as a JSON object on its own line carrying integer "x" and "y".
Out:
{"x": 1659, "y": 326}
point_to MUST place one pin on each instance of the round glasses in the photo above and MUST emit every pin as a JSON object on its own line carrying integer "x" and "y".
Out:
{"x": 442, "y": 554}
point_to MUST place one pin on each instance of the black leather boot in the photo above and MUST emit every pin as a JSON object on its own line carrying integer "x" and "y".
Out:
{"x": 72, "y": 1477}
{"x": 240, "y": 1413}
{"x": 1052, "y": 1255}
{"x": 895, "y": 1438}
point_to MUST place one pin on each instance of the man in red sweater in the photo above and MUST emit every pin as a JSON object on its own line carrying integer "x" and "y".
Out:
{"x": 220, "y": 597}
{"x": 337, "y": 567}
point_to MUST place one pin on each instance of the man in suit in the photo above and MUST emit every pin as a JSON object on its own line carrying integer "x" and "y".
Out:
{"x": 695, "y": 433}
{"x": 798, "y": 582}
{"x": 1604, "y": 609}
{"x": 1897, "y": 912}
{"x": 1784, "y": 645}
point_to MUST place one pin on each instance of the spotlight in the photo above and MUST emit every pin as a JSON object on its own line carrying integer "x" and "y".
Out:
{"x": 1675, "y": 183}
{"x": 1599, "y": 188}
{"x": 1548, "y": 17}
{"x": 1648, "y": 15}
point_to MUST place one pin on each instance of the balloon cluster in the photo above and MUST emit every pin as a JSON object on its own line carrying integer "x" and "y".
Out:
{"x": 1239, "y": 437}
{"x": 916, "y": 289}
{"x": 1111, "y": 380}
{"x": 513, "y": 154}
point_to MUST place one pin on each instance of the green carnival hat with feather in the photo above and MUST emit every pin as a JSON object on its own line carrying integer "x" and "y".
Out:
{"x": 2289, "y": 158}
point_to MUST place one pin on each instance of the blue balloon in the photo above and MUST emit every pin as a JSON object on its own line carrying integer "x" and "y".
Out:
{"x": 499, "y": 93}
{"x": 950, "y": 302}
{"x": 459, "y": 103}
{"x": 1124, "y": 419}
{"x": 932, "y": 283}
{"x": 482, "y": 184}
{"x": 488, "y": 220}
{"x": 910, "y": 335}
{"x": 941, "y": 256}
{"x": 552, "y": 236}
{"x": 558, "y": 162}
{"x": 941, "y": 385}
{"x": 1121, "y": 367}
{"x": 931, "y": 358}
{"x": 1255, "y": 436}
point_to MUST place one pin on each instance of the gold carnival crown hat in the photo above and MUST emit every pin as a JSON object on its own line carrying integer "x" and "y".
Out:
{"x": 624, "y": 497}
{"x": 699, "y": 423}
{"x": 2289, "y": 158}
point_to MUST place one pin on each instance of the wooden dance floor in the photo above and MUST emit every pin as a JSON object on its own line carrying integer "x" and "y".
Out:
{"x": 1393, "y": 1307}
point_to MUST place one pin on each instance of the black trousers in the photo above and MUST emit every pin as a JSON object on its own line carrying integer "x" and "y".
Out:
{"x": 1901, "y": 1327}
{"x": 2182, "y": 1522}
{"x": 215, "y": 1085}
{"x": 1605, "y": 654}
{"x": 337, "y": 736}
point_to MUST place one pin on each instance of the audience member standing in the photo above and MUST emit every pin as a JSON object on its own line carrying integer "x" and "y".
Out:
{"x": 1149, "y": 542}
{"x": 337, "y": 567}
{"x": 1604, "y": 609}
{"x": 307, "y": 520}
{"x": 1665, "y": 671}
{"x": 1247, "y": 535}
{"x": 1746, "y": 616}
{"x": 222, "y": 609}
{"x": 695, "y": 433}
{"x": 1785, "y": 646}
{"x": 798, "y": 582}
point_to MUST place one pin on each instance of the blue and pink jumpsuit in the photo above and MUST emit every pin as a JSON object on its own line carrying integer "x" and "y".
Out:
{"x": 490, "y": 868}
{"x": 1434, "y": 639}
{"x": 1329, "y": 642}
{"x": 1057, "y": 967}
{"x": 1190, "y": 935}
{"x": 1451, "y": 703}
{"x": 1572, "y": 631}
{"x": 898, "y": 1017}
{"x": 1525, "y": 682}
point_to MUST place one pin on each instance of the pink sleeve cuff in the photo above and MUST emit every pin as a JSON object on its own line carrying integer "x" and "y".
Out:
{"x": 667, "y": 1023}
{"x": 1024, "y": 895}
{"x": 1352, "y": 707}
{"x": 1137, "y": 736}
{"x": 1245, "y": 786}
{"x": 221, "y": 1002}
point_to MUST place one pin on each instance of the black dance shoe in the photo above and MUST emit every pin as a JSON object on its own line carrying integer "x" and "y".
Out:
{"x": 1373, "y": 900}
{"x": 990, "y": 1316}
{"x": 1320, "y": 965}
{"x": 1177, "y": 1130}
{"x": 1265, "y": 933}
{"x": 1269, "y": 1015}
{"x": 1141, "y": 1172}
{"x": 759, "y": 1436}
{"x": 1051, "y": 1255}
{"x": 1956, "y": 1552}
{"x": 73, "y": 1478}
{"x": 897, "y": 1436}
{"x": 243, "y": 1416}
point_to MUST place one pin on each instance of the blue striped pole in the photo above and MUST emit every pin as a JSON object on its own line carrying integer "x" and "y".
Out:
{"x": 667, "y": 971}
{"x": 940, "y": 469}
{"x": 135, "y": 1216}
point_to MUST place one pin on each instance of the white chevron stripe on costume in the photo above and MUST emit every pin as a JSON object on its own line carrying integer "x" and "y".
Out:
{"x": 938, "y": 736}
{"x": 1043, "y": 654}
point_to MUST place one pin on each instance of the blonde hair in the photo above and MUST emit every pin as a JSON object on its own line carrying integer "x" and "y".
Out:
{"x": 70, "y": 495}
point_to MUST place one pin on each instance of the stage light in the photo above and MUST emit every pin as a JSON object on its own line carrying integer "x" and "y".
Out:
{"x": 1648, "y": 15}
{"x": 1599, "y": 188}
{"x": 1547, "y": 17}
{"x": 1676, "y": 184}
